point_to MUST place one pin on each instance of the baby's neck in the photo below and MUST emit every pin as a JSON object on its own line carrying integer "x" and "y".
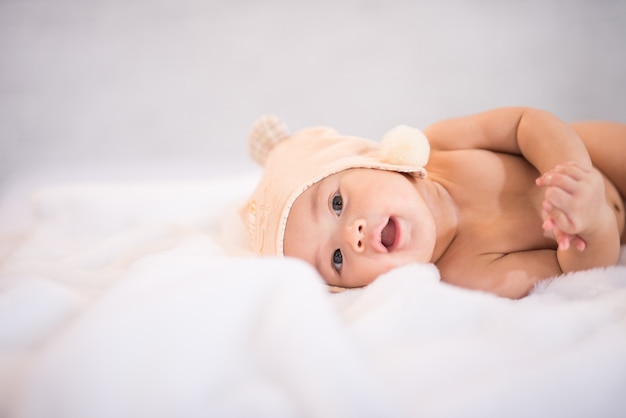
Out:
{"x": 444, "y": 212}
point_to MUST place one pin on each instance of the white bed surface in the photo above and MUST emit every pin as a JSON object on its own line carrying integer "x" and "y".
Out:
{"x": 140, "y": 299}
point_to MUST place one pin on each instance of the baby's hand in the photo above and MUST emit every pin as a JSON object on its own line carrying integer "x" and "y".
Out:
{"x": 572, "y": 203}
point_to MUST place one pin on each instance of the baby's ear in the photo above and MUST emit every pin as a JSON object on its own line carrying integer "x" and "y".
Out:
{"x": 266, "y": 132}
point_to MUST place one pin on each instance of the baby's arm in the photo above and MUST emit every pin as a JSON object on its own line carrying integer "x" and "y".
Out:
{"x": 542, "y": 138}
{"x": 547, "y": 143}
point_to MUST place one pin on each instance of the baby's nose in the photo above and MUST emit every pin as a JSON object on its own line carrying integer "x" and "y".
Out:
{"x": 354, "y": 235}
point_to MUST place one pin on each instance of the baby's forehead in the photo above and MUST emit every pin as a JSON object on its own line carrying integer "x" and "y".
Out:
{"x": 306, "y": 202}
{"x": 332, "y": 181}
{"x": 352, "y": 171}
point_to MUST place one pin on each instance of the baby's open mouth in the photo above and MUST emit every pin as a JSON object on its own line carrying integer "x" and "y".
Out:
{"x": 388, "y": 235}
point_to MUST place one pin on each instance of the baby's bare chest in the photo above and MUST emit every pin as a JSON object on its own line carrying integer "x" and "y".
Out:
{"x": 498, "y": 203}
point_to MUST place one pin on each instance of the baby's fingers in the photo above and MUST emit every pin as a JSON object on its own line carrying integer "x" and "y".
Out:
{"x": 578, "y": 243}
{"x": 556, "y": 200}
{"x": 558, "y": 180}
{"x": 563, "y": 175}
{"x": 564, "y": 241}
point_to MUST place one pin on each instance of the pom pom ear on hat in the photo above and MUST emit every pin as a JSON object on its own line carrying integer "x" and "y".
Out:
{"x": 266, "y": 132}
{"x": 404, "y": 145}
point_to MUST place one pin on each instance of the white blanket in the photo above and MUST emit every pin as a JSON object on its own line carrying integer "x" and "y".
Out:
{"x": 140, "y": 300}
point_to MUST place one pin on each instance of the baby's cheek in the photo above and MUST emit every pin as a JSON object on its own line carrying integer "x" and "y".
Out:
{"x": 388, "y": 265}
{"x": 362, "y": 274}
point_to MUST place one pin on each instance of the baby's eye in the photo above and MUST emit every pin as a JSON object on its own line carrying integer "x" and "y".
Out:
{"x": 337, "y": 203}
{"x": 337, "y": 260}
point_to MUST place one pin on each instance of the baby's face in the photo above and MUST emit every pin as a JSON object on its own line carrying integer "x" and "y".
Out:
{"x": 359, "y": 223}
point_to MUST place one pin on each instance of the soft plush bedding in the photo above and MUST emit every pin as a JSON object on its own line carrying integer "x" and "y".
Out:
{"x": 141, "y": 300}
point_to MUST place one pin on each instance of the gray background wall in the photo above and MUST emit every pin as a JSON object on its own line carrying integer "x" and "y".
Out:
{"x": 112, "y": 80}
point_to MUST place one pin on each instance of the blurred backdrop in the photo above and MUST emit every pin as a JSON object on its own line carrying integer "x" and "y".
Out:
{"x": 104, "y": 81}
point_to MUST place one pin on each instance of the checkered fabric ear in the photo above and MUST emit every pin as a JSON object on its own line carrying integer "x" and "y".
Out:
{"x": 267, "y": 131}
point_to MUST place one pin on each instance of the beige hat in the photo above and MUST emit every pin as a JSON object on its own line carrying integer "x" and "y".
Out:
{"x": 293, "y": 163}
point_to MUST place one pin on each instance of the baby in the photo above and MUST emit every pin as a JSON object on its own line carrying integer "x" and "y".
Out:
{"x": 497, "y": 201}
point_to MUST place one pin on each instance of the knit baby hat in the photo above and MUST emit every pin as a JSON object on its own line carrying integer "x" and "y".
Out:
{"x": 293, "y": 163}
